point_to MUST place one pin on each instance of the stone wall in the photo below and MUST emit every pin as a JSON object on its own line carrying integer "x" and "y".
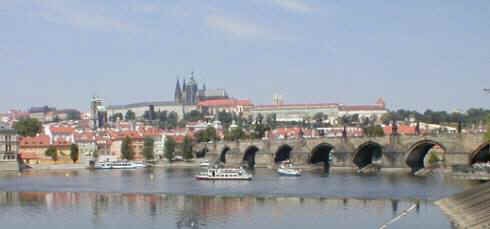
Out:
{"x": 395, "y": 150}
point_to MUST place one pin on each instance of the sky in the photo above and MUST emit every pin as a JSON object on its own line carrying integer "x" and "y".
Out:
{"x": 416, "y": 54}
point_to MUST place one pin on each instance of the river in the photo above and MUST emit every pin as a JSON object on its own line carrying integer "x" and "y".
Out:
{"x": 172, "y": 198}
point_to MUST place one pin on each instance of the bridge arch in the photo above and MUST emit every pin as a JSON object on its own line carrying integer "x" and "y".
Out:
{"x": 283, "y": 153}
{"x": 222, "y": 157}
{"x": 321, "y": 153}
{"x": 367, "y": 153}
{"x": 481, "y": 154}
{"x": 249, "y": 156}
{"x": 417, "y": 152}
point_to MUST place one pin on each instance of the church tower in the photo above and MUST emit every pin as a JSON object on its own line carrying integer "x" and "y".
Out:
{"x": 178, "y": 93}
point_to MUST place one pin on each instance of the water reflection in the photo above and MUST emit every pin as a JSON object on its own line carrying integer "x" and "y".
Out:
{"x": 203, "y": 211}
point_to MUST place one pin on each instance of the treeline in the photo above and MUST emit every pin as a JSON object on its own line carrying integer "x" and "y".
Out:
{"x": 471, "y": 116}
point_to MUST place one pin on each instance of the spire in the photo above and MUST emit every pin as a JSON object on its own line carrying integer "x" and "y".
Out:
{"x": 178, "y": 92}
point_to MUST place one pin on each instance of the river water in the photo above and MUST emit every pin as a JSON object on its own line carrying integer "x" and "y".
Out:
{"x": 172, "y": 198}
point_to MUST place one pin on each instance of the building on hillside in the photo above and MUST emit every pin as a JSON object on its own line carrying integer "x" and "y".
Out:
{"x": 306, "y": 112}
{"x": 186, "y": 98}
{"x": 42, "y": 114}
{"x": 296, "y": 112}
{"x": 212, "y": 107}
{"x": 140, "y": 108}
{"x": 9, "y": 148}
{"x": 137, "y": 142}
{"x": 61, "y": 134}
{"x": 372, "y": 112}
{"x": 86, "y": 144}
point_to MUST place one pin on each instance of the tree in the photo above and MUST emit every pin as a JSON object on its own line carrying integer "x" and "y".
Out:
{"x": 126, "y": 149}
{"x": 116, "y": 116}
{"x": 148, "y": 148}
{"x": 130, "y": 115}
{"x": 193, "y": 116}
{"x": 187, "y": 148}
{"x": 259, "y": 118}
{"x": 52, "y": 152}
{"x": 237, "y": 133}
{"x": 28, "y": 127}
{"x": 170, "y": 145}
{"x": 271, "y": 120}
{"x": 374, "y": 131}
{"x": 209, "y": 134}
{"x": 73, "y": 115}
{"x": 172, "y": 119}
{"x": 74, "y": 153}
{"x": 225, "y": 118}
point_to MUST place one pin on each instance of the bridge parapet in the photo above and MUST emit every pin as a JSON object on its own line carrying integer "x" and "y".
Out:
{"x": 395, "y": 150}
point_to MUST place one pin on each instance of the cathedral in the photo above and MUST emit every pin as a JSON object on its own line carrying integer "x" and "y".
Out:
{"x": 190, "y": 93}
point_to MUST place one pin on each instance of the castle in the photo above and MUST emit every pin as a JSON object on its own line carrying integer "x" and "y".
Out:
{"x": 190, "y": 94}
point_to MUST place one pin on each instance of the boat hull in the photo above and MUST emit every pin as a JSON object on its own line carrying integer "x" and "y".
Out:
{"x": 223, "y": 178}
{"x": 289, "y": 173}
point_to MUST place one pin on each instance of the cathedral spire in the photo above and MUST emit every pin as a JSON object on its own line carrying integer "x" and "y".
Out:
{"x": 178, "y": 92}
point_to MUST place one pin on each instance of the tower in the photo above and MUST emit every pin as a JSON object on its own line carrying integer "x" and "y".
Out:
{"x": 178, "y": 93}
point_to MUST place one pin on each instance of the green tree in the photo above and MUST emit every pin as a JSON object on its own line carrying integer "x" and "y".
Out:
{"x": 116, "y": 116}
{"x": 52, "y": 152}
{"x": 374, "y": 131}
{"x": 209, "y": 134}
{"x": 170, "y": 145}
{"x": 187, "y": 148}
{"x": 28, "y": 127}
{"x": 271, "y": 120}
{"x": 148, "y": 148}
{"x": 193, "y": 116}
{"x": 237, "y": 133}
{"x": 172, "y": 119}
{"x": 126, "y": 149}
{"x": 319, "y": 117}
{"x": 74, "y": 152}
{"x": 73, "y": 115}
{"x": 226, "y": 118}
{"x": 130, "y": 115}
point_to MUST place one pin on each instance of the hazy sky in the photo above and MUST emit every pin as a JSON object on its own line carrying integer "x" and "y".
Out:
{"x": 416, "y": 54}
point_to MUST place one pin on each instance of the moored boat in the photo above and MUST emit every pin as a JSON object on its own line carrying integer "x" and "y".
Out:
{"x": 224, "y": 174}
{"x": 118, "y": 165}
{"x": 287, "y": 169}
{"x": 204, "y": 163}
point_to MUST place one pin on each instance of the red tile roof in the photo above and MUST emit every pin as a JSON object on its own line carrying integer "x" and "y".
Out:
{"x": 402, "y": 129}
{"x": 41, "y": 140}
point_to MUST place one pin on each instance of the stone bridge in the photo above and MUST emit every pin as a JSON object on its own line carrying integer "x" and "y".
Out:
{"x": 388, "y": 152}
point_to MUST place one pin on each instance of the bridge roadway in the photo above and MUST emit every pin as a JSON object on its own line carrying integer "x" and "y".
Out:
{"x": 407, "y": 152}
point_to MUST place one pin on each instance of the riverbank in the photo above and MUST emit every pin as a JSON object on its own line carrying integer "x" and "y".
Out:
{"x": 469, "y": 209}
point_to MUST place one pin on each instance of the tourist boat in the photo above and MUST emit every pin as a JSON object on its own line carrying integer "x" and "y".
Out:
{"x": 224, "y": 174}
{"x": 205, "y": 164}
{"x": 287, "y": 169}
{"x": 118, "y": 165}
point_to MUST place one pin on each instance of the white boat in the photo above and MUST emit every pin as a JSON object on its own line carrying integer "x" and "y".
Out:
{"x": 204, "y": 163}
{"x": 287, "y": 169}
{"x": 118, "y": 165}
{"x": 224, "y": 174}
